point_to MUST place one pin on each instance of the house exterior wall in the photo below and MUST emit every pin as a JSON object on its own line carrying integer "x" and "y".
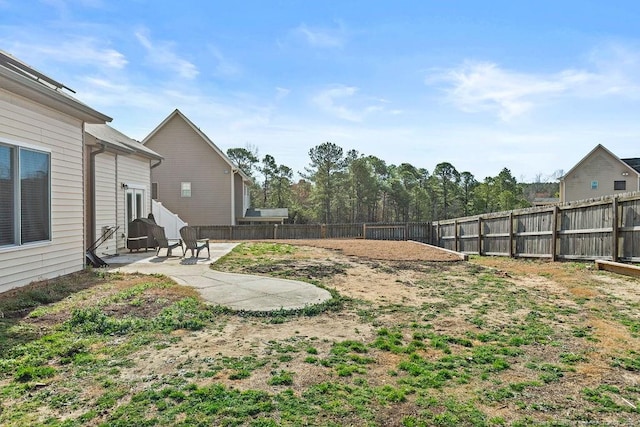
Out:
{"x": 189, "y": 158}
{"x": 105, "y": 197}
{"x": 600, "y": 168}
{"x": 133, "y": 171}
{"x": 25, "y": 122}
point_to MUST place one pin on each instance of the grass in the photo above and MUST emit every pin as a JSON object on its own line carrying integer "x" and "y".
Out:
{"x": 466, "y": 347}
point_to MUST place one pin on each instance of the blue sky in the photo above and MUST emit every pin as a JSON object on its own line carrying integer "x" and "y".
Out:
{"x": 530, "y": 86}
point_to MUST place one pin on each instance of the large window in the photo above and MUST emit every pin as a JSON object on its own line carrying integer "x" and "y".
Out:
{"x": 25, "y": 200}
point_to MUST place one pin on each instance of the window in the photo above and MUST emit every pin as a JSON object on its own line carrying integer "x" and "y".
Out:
{"x": 594, "y": 185}
{"x": 619, "y": 185}
{"x": 25, "y": 200}
{"x": 154, "y": 190}
{"x": 185, "y": 189}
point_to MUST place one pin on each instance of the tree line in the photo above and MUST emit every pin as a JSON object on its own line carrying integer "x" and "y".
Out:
{"x": 351, "y": 187}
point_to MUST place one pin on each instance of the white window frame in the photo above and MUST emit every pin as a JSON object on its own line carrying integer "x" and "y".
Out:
{"x": 17, "y": 217}
{"x": 185, "y": 189}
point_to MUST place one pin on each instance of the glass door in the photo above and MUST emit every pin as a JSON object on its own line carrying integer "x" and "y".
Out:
{"x": 135, "y": 204}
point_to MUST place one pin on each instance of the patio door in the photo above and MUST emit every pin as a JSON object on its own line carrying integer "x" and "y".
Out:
{"x": 135, "y": 204}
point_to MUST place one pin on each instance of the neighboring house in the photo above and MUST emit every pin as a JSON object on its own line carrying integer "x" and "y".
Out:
{"x": 600, "y": 173}
{"x": 197, "y": 181}
{"x": 119, "y": 169}
{"x": 41, "y": 176}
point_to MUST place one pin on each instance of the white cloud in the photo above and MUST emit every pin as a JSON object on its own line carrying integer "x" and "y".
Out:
{"x": 282, "y": 93}
{"x": 484, "y": 86}
{"x": 224, "y": 66}
{"x": 162, "y": 54}
{"x": 611, "y": 69}
{"x": 79, "y": 50}
{"x": 321, "y": 37}
{"x": 329, "y": 101}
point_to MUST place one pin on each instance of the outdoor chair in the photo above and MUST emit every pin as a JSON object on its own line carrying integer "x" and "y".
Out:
{"x": 163, "y": 242}
{"x": 191, "y": 242}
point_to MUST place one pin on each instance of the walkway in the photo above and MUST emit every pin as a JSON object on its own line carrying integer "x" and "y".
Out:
{"x": 236, "y": 291}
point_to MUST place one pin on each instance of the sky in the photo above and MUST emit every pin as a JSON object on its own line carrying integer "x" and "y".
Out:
{"x": 483, "y": 85}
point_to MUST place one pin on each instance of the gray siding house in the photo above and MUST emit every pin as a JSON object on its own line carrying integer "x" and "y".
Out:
{"x": 41, "y": 176}
{"x": 197, "y": 181}
{"x": 600, "y": 173}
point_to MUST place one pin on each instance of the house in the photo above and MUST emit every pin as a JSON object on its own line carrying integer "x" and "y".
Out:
{"x": 600, "y": 173}
{"x": 118, "y": 186}
{"x": 196, "y": 181}
{"x": 41, "y": 175}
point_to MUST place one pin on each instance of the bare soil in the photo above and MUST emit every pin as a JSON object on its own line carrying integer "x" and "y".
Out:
{"x": 400, "y": 283}
{"x": 381, "y": 249}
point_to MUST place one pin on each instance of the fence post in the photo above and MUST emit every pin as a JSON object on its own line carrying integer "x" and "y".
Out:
{"x": 275, "y": 231}
{"x": 554, "y": 234}
{"x": 323, "y": 231}
{"x": 364, "y": 230}
{"x": 438, "y": 234}
{"x": 231, "y": 232}
{"x": 614, "y": 230}
{"x": 511, "y": 236}
{"x": 479, "y": 235}
{"x": 456, "y": 234}
{"x": 406, "y": 231}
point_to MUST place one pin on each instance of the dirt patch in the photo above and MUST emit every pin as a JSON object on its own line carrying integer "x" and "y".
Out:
{"x": 381, "y": 249}
{"x": 148, "y": 303}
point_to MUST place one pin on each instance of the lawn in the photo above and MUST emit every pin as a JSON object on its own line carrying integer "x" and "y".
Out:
{"x": 489, "y": 342}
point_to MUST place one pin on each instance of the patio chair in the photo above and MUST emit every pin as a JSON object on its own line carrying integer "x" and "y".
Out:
{"x": 190, "y": 239}
{"x": 163, "y": 242}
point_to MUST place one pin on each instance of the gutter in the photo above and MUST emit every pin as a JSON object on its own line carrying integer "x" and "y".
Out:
{"x": 157, "y": 164}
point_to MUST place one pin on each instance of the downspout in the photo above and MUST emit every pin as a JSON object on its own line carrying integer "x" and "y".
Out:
{"x": 92, "y": 179}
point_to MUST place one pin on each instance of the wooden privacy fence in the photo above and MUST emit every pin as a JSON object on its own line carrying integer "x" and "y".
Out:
{"x": 418, "y": 231}
{"x": 607, "y": 228}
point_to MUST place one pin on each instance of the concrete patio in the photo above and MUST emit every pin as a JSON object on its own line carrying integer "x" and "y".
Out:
{"x": 236, "y": 291}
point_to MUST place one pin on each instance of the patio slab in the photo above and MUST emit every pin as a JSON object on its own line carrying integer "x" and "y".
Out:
{"x": 236, "y": 291}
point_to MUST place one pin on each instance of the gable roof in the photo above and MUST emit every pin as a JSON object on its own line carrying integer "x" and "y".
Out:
{"x": 204, "y": 137}
{"x": 596, "y": 148}
{"x": 118, "y": 141}
{"x": 26, "y": 81}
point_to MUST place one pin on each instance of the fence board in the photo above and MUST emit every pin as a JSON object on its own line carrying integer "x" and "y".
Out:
{"x": 419, "y": 231}
{"x": 606, "y": 228}
{"x": 629, "y": 232}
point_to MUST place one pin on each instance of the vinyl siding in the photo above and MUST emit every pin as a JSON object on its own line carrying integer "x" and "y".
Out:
{"x": 604, "y": 169}
{"x": 29, "y": 123}
{"x": 189, "y": 158}
{"x": 105, "y": 197}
